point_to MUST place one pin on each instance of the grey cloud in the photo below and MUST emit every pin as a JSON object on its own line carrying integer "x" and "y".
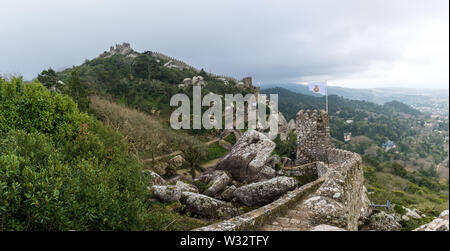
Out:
{"x": 273, "y": 40}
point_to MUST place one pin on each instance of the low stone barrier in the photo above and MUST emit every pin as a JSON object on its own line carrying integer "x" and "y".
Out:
{"x": 256, "y": 218}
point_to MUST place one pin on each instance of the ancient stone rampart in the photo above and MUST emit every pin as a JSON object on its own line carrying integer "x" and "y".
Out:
{"x": 342, "y": 199}
{"x": 187, "y": 66}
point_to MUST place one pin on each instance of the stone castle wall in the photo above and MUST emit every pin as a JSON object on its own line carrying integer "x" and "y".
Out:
{"x": 313, "y": 136}
{"x": 342, "y": 199}
{"x": 187, "y": 66}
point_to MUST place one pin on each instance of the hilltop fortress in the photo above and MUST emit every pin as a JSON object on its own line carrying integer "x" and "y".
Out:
{"x": 125, "y": 49}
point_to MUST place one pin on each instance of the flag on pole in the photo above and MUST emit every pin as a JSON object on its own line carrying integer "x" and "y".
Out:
{"x": 318, "y": 87}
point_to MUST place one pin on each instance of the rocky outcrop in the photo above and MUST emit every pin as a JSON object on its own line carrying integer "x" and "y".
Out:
{"x": 209, "y": 176}
{"x": 283, "y": 127}
{"x": 383, "y": 222}
{"x": 206, "y": 206}
{"x": 217, "y": 185}
{"x": 291, "y": 125}
{"x": 228, "y": 193}
{"x": 177, "y": 161}
{"x": 438, "y": 224}
{"x": 184, "y": 187}
{"x": 412, "y": 213}
{"x": 264, "y": 192}
{"x": 273, "y": 161}
{"x": 156, "y": 178}
{"x": 166, "y": 193}
{"x": 198, "y": 81}
{"x": 247, "y": 159}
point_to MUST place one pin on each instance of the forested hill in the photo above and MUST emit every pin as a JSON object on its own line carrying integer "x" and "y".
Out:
{"x": 397, "y": 106}
{"x": 361, "y": 118}
{"x": 292, "y": 102}
{"x": 145, "y": 81}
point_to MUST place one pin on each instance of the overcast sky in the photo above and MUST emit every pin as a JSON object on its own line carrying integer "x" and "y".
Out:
{"x": 352, "y": 43}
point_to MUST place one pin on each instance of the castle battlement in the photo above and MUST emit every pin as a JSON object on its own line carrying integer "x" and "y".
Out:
{"x": 120, "y": 49}
{"x": 313, "y": 136}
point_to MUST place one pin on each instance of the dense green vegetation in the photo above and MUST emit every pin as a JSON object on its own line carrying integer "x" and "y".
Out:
{"x": 61, "y": 169}
{"x": 396, "y": 106}
{"x": 142, "y": 82}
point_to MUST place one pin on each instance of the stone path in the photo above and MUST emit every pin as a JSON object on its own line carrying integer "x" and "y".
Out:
{"x": 295, "y": 219}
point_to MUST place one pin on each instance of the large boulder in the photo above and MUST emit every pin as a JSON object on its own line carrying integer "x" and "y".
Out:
{"x": 184, "y": 187}
{"x": 187, "y": 81}
{"x": 228, "y": 193}
{"x": 273, "y": 161}
{"x": 412, "y": 213}
{"x": 283, "y": 127}
{"x": 248, "y": 158}
{"x": 264, "y": 192}
{"x": 156, "y": 178}
{"x": 166, "y": 193}
{"x": 198, "y": 81}
{"x": 209, "y": 176}
{"x": 217, "y": 185}
{"x": 383, "y": 222}
{"x": 177, "y": 161}
{"x": 291, "y": 125}
{"x": 325, "y": 210}
{"x": 438, "y": 224}
{"x": 206, "y": 206}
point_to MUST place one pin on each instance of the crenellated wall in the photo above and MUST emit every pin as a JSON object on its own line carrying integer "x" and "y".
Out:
{"x": 313, "y": 136}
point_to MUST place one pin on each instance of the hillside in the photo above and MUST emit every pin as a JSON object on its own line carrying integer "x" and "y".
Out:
{"x": 426, "y": 100}
{"x": 396, "y": 106}
{"x": 145, "y": 81}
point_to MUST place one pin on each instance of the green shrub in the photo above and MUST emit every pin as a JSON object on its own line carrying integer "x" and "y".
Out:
{"x": 231, "y": 138}
{"x": 399, "y": 209}
{"x": 61, "y": 169}
{"x": 215, "y": 151}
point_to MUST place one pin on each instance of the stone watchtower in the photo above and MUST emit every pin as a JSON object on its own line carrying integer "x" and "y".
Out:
{"x": 313, "y": 136}
{"x": 248, "y": 82}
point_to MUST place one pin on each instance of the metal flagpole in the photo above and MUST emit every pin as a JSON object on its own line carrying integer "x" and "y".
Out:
{"x": 326, "y": 104}
{"x": 326, "y": 95}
